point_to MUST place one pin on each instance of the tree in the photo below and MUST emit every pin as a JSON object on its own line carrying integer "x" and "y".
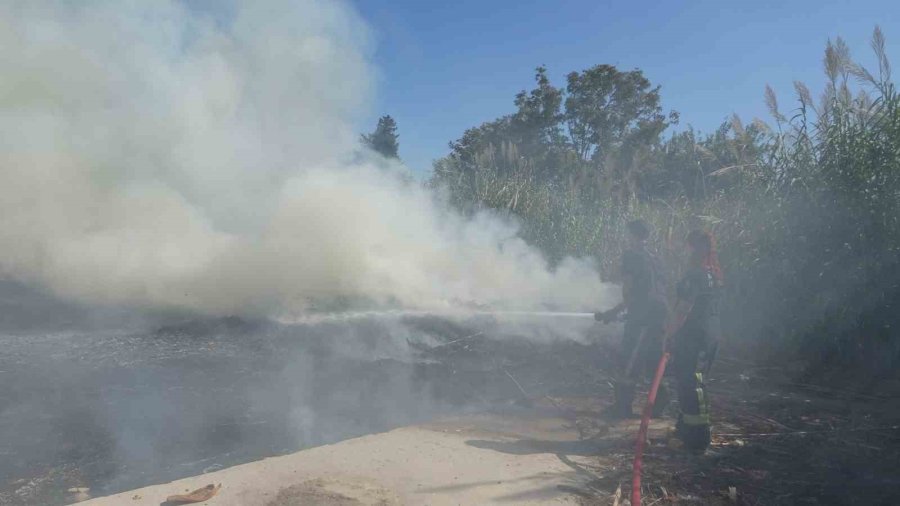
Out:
{"x": 610, "y": 123}
{"x": 537, "y": 120}
{"x": 604, "y": 107}
{"x": 384, "y": 139}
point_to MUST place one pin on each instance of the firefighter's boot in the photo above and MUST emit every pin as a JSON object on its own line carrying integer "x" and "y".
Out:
{"x": 693, "y": 428}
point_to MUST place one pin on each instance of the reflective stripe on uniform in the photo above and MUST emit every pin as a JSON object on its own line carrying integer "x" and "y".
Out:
{"x": 701, "y": 418}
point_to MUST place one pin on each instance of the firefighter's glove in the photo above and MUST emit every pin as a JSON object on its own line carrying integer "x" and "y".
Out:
{"x": 603, "y": 316}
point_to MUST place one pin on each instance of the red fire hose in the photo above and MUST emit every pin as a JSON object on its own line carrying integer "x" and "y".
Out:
{"x": 642, "y": 432}
{"x": 648, "y": 410}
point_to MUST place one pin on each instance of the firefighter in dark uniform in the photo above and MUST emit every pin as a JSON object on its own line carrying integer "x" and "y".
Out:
{"x": 643, "y": 293}
{"x": 696, "y": 318}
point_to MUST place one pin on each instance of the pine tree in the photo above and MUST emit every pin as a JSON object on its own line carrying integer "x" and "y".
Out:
{"x": 384, "y": 138}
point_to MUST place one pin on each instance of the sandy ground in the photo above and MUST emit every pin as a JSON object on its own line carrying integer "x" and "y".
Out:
{"x": 484, "y": 459}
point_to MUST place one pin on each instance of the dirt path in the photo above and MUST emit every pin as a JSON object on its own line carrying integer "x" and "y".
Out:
{"x": 530, "y": 457}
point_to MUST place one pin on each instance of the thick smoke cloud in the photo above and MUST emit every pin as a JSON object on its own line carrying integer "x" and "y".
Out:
{"x": 156, "y": 156}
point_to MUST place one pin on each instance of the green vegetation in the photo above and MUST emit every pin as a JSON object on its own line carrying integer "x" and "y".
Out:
{"x": 805, "y": 211}
{"x": 384, "y": 139}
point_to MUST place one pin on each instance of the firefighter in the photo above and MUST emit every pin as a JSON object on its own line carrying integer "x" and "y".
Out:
{"x": 696, "y": 317}
{"x": 643, "y": 293}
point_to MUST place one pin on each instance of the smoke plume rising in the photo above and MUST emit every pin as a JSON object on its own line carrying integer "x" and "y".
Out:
{"x": 155, "y": 155}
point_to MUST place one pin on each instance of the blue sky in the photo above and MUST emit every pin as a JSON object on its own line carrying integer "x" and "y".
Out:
{"x": 447, "y": 65}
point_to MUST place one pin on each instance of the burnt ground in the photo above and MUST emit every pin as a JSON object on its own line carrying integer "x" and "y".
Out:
{"x": 779, "y": 441}
{"x": 113, "y": 411}
{"x": 776, "y": 440}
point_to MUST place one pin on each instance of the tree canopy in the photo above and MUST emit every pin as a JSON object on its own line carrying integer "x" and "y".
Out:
{"x": 384, "y": 139}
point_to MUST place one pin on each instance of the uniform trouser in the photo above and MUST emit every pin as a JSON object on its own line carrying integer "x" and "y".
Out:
{"x": 641, "y": 342}
{"x": 693, "y": 421}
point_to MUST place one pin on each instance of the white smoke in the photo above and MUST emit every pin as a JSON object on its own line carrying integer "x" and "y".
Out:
{"x": 156, "y": 156}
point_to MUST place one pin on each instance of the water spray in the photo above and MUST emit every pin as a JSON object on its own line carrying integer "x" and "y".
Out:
{"x": 315, "y": 318}
{"x": 543, "y": 314}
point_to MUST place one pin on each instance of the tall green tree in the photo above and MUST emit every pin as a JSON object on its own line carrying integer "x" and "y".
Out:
{"x": 604, "y": 107}
{"x": 384, "y": 139}
{"x": 534, "y": 128}
{"x": 608, "y": 119}
{"x": 538, "y": 117}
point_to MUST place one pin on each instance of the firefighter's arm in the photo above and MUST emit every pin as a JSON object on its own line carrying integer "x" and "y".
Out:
{"x": 609, "y": 315}
{"x": 627, "y": 283}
